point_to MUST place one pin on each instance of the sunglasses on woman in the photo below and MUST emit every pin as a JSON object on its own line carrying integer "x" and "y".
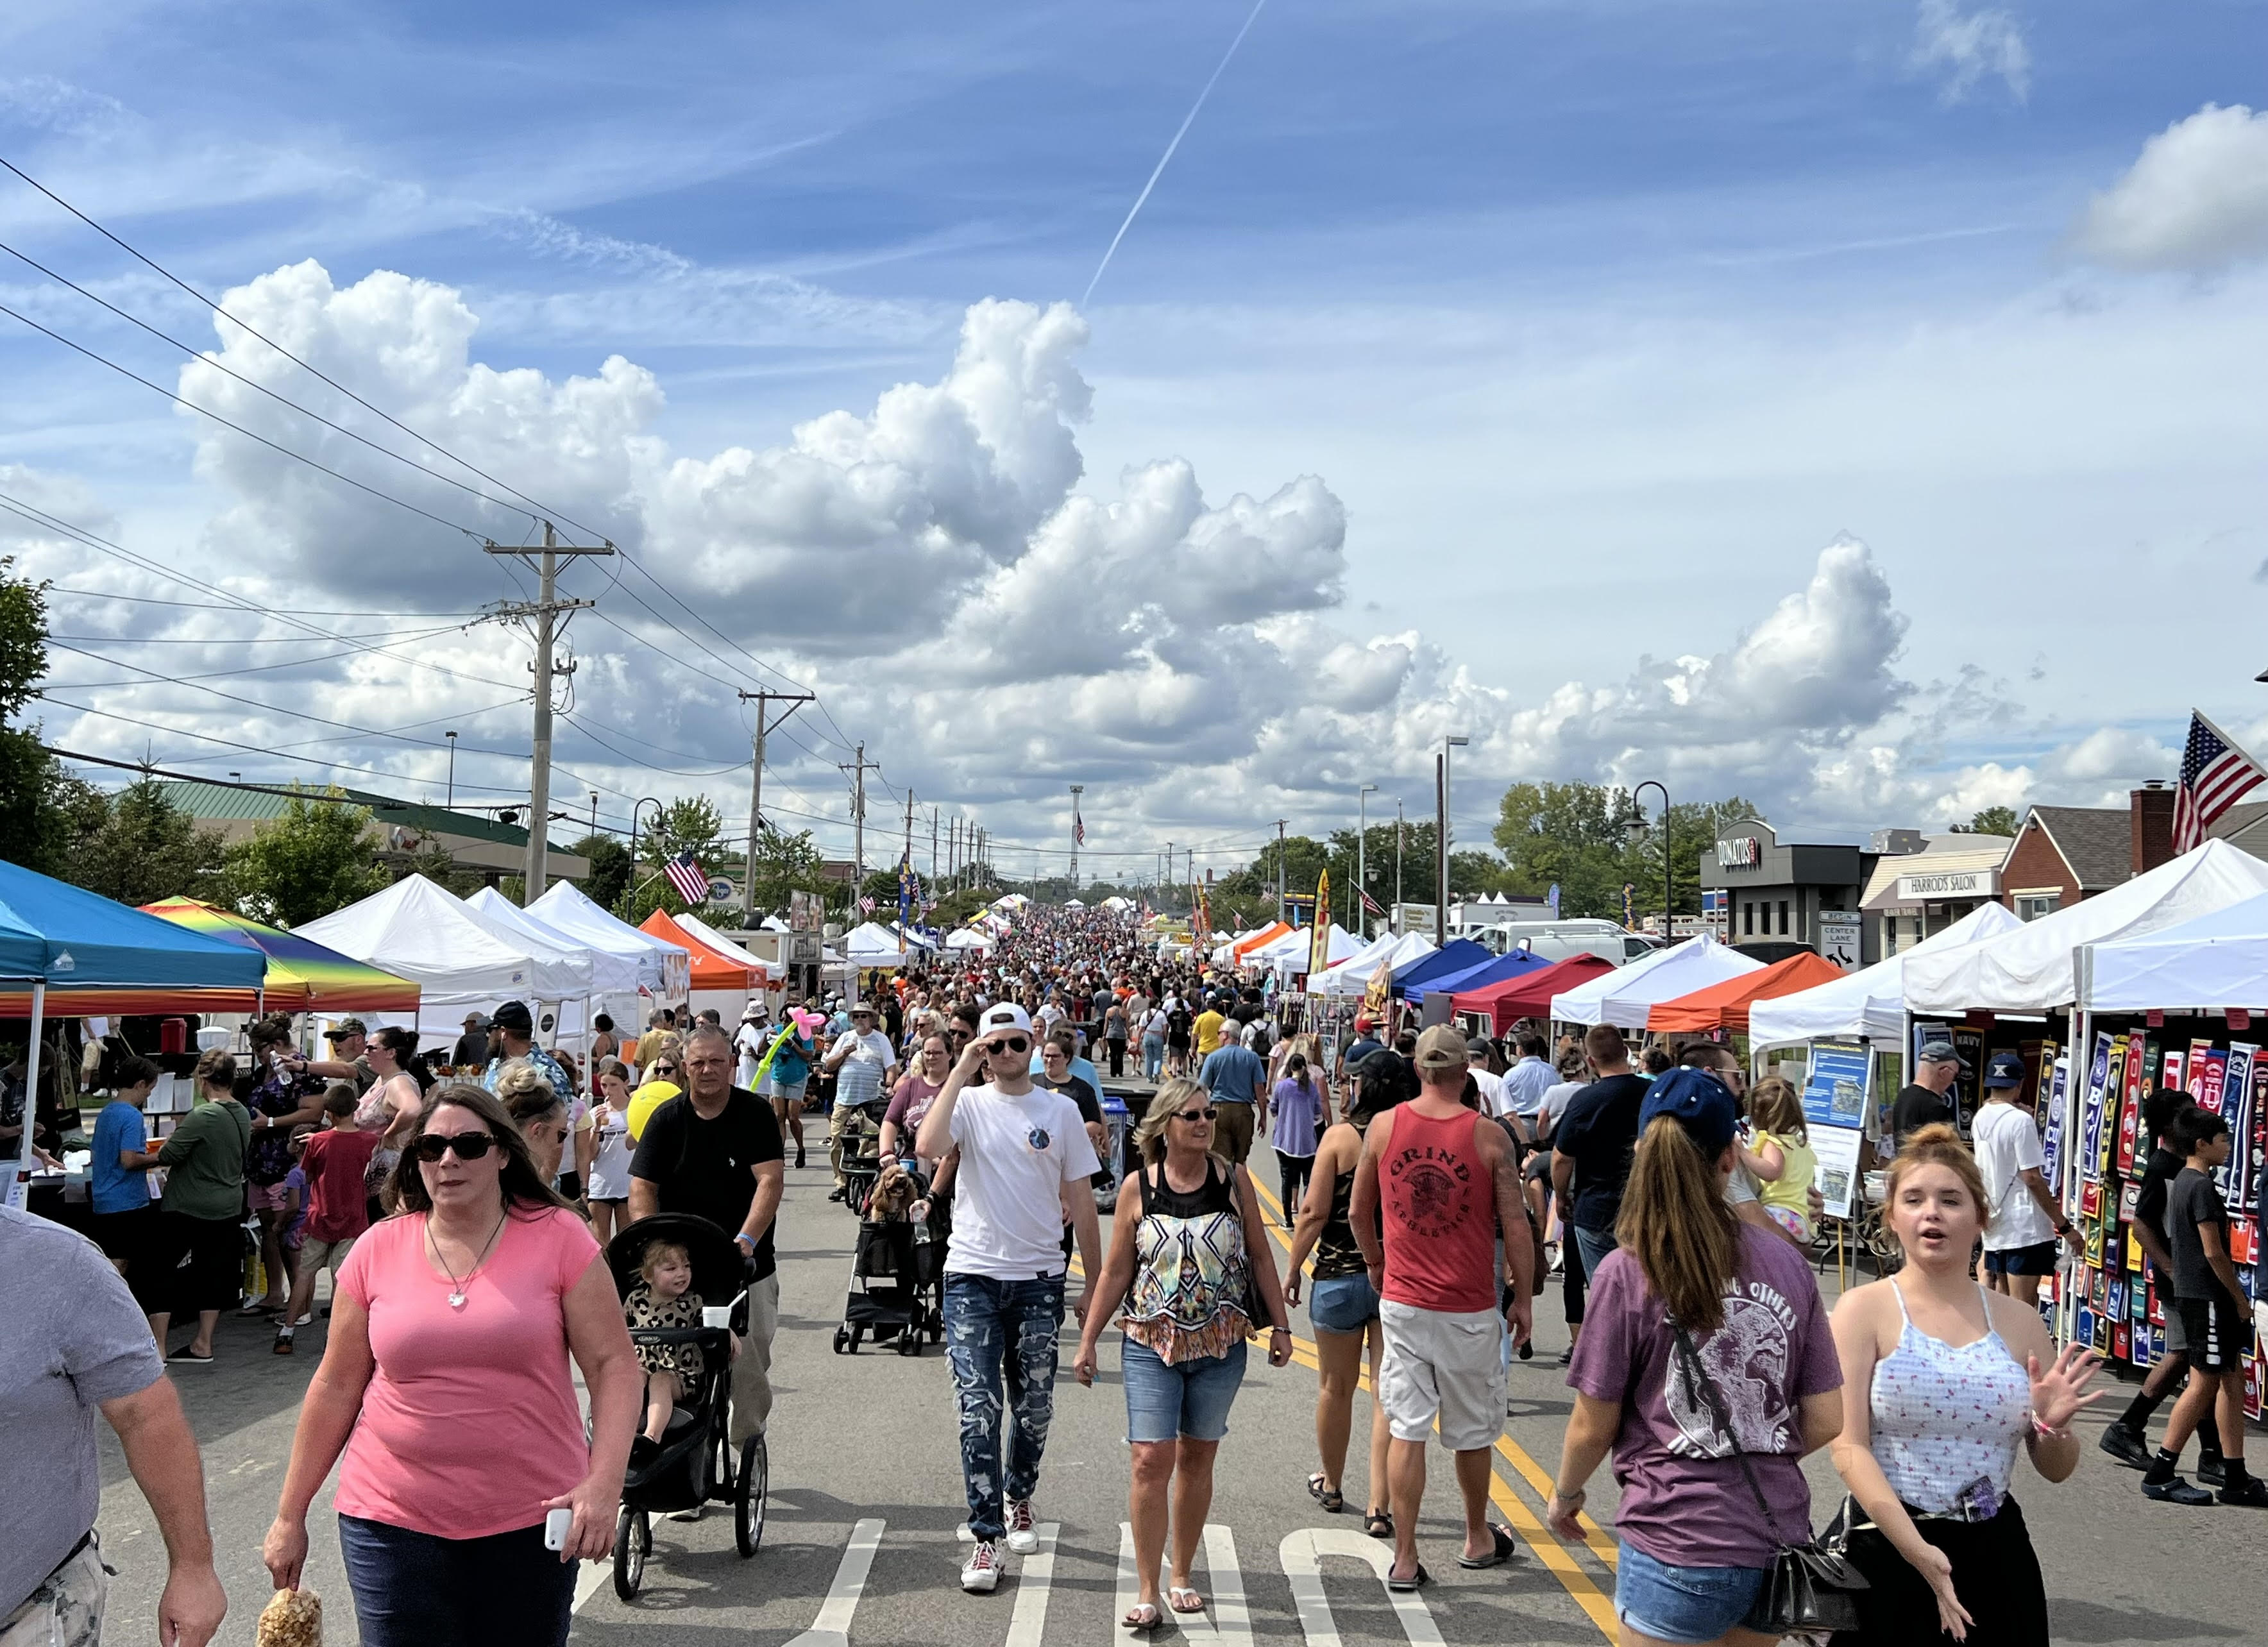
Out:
{"x": 1195, "y": 1115}
{"x": 469, "y": 1146}
{"x": 664, "y": 1069}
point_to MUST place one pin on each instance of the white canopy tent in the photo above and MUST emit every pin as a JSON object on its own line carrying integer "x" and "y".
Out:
{"x": 1871, "y": 1002}
{"x": 874, "y": 944}
{"x": 1291, "y": 952}
{"x": 1621, "y": 997}
{"x": 566, "y": 969}
{"x": 414, "y": 929}
{"x": 724, "y": 946}
{"x": 969, "y": 938}
{"x": 1352, "y": 976}
{"x": 2210, "y": 963}
{"x": 664, "y": 970}
{"x": 2032, "y": 970}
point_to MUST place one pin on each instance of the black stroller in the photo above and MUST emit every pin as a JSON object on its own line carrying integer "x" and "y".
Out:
{"x": 695, "y": 1464}
{"x": 897, "y": 1286}
{"x": 862, "y": 1154}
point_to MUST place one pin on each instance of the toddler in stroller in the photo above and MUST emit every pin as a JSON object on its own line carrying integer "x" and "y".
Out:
{"x": 681, "y": 1283}
{"x": 896, "y": 1285}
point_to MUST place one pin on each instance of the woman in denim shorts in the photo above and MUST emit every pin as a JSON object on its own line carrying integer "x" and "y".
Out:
{"x": 1342, "y": 1307}
{"x": 1189, "y": 1255}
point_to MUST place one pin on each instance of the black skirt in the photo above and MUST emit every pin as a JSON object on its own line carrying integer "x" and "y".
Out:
{"x": 1995, "y": 1574}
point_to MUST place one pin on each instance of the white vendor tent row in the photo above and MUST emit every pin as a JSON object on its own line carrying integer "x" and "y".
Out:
{"x": 1291, "y": 953}
{"x": 2211, "y": 963}
{"x": 1118, "y": 906}
{"x": 418, "y": 931}
{"x": 1622, "y": 997}
{"x": 564, "y": 966}
{"x": 2033, "y": 968}
{"x": 664, "y": 970}
{"x": 728, "y": 1004}
{"x": 1869, "y": 1003}
{"x": 1352, "y": 976}
{"x": 969, "y": 938}
{"x": 874, "y": 944}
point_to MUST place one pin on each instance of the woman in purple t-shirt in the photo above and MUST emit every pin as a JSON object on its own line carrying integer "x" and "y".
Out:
{"x": 1757, "y": 1360}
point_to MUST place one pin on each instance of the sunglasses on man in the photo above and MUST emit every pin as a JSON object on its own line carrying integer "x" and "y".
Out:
{"x": 1009, "y": 1046}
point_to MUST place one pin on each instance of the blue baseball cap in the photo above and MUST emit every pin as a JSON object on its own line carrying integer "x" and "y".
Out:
{"x": 1697, "y": 1100}
{"x": 2004, "y": 1069}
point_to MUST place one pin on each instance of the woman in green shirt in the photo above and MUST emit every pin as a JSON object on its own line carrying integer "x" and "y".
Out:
{"x": 202, "y": 1215}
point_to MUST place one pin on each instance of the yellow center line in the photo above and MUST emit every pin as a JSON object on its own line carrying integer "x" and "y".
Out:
{"x": 1580, "y": 1585}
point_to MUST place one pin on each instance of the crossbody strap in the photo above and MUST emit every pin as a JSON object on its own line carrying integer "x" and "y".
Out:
{"x": 1707, "y": 1386}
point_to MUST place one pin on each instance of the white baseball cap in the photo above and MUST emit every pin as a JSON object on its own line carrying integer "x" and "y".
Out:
{"x": 1005, "y": 1015}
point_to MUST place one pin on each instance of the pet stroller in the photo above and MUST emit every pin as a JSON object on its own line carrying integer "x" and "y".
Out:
{"x": 696, "y": 1463}
{"x": 897, "y": 1280}
{"x": 862, "y": 1153}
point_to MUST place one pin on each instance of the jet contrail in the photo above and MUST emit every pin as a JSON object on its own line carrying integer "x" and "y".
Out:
{"x": 1165, "y": 158}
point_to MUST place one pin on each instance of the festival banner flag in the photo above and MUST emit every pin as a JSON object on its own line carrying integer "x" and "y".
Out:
{"x": 2057, "y": 1086}
{"x": 2236, "y": 1101}
{"x": 1319, "y": 946}
{"x": 2090, "y": 1120}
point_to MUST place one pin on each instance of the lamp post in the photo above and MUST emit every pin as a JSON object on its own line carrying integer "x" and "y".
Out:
{"x": 1441, "y": 839}
{"x": 1361, "y": 843}
{"x": 643, "y": 801}
{"x": 451, "y": 804}
{"x": 1395, "y": 925}
{"x": 1636, "y": 827}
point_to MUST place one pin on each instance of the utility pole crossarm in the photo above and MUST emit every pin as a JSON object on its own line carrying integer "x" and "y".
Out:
{"x": 764, "y": 700}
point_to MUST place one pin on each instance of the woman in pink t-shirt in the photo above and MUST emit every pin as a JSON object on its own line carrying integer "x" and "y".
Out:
{"x": 445, "y": 1384}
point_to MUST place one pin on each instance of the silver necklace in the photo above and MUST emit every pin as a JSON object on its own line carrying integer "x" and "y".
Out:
{"x": 457, "y": 1282}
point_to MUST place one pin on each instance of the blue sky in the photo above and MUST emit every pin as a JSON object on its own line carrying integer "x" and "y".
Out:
{"x": 1599, "y": 324}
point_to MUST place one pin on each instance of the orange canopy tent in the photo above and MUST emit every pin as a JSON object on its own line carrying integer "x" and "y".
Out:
{"x": 1245, "y": 946}
{"x": 712, "y": 969}
{"x": 1726, "y": 1005}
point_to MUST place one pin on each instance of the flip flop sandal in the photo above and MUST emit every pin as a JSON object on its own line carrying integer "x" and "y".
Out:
{"x": 1174, "y": 1594}
{"x": 1330, "y": 1499}
{"x": 1416, "y": 1580}
{"x": 1502, "y": 1548}
{"x": 1378, "y": 1524}
{"x": 1145, "y": 1616}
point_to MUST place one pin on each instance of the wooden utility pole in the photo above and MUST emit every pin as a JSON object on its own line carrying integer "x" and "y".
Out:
{"x": 764, "y": 700}
{"x": 858, "y": 766}
{"x": 545, "y": 610}
{"x": 1280, "y": 823}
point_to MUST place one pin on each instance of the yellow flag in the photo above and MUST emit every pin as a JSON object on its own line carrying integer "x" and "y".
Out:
{"x": 1319, "y": 947}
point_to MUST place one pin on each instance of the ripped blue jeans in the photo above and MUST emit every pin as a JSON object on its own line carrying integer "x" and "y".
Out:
{"x": 995, "y": 1332}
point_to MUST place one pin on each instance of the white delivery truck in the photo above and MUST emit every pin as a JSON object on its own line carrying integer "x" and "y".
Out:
{"x": 1556, "y": 940}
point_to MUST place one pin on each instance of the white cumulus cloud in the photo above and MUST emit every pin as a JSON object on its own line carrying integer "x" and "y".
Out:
{"x": 2196, "y": 198}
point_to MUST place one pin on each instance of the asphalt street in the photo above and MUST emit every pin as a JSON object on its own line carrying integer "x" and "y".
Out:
{"x": 865, "y": 1539}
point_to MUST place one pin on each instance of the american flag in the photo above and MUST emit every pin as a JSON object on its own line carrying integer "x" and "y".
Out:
{"x": 685, "y": 875}
{"x": 1372, "y": 906}
{"x": 2216, "y": 776}
{"x": 1078, "y": 830}
{"x": 866, "y": 905}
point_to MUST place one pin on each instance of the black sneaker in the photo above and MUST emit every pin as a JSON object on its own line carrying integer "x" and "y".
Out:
{"x": 2127, "y": 1446}
{"x": 2212, "y": 1470}
{"x": 798, "y": 1155}
{"x": 836, "y": 1195}
{"x": 2176, "y": 1491}
{"x": 283, "y": 1341}
{"x": 2251, "y": 1490}
{"x": 1568, "y": 1356}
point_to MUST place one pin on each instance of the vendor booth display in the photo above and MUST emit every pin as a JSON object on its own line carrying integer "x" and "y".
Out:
{"x": 1624, "y": 996}
{"x": 1725, "y": 1005}
{"x": 1528, "y": 994}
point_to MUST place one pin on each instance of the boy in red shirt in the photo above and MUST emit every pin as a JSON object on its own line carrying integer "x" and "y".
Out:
{"x": 336, "y": 1161}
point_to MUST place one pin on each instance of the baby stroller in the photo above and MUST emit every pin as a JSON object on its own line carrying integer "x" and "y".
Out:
{"x": 862, "y": 1154}
{"x": 695, "y": 1464}
{"x": 896, "y": 1272}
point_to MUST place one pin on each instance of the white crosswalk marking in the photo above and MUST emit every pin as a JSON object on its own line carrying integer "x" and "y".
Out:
{"x": 1226, "y": 1621}
{"x": 1301, "y": 1553}
{"x": 832, "y": 1626}
{"x": 1035, "y": 1576}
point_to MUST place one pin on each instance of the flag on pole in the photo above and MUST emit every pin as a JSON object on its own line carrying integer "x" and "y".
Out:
{"x": 1371, "y": 906}
{"x": 1077, "y": 828}
{"x": 2216, "y": 776}
{"x": 909, "y": 893}
{"x": 866, "y": 905}
{"x": 685, "y": 875}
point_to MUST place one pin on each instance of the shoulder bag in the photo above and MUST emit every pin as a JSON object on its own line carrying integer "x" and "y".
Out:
{"x": 1810, "y": 1588}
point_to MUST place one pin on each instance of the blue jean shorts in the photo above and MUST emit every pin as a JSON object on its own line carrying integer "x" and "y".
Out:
{"x": 1682, "y": 1604}
{"x": 1344, "y": 1303}
{"x": 1190, "y": 1398}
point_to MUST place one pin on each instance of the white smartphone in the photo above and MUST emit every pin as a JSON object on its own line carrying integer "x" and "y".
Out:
{"x": 555, "y": 1528}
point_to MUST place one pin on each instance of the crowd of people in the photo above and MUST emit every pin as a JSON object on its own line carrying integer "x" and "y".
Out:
{"x": 1427, "y": 1185}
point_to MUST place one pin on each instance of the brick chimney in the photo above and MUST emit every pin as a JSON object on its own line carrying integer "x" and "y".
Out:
{"x": 2151, "y": 811}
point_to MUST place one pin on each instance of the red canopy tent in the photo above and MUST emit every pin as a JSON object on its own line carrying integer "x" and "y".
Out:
{"x": 1726, "y": 1005}
{"x": 1530, "y": 994}
{"x": 712, "y": 969}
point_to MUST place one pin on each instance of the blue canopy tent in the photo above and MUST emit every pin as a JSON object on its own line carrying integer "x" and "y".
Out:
{"x": 1454, "y": 956}
{"x": 1495, "y": 969}
{"x": 55, "y": 935}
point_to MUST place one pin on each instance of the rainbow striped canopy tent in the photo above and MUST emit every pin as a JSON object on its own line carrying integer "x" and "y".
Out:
{"x": 303, "y": 976}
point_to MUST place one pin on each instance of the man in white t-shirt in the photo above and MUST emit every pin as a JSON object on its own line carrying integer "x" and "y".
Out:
{"x": 750, "y": 1041}
{"x": 1490, "y": 1083}
{"x": 2019, "y": 1242}
{"x": 864, "y": 1070}
{"x": 1025, "y": 1160}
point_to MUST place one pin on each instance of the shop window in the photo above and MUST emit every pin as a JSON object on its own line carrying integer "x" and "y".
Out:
{"x": 1783, "y": 917}
{"x": 1749, "y": 919}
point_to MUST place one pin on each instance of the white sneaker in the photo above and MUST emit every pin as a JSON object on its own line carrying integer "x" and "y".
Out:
{"x": 693, "y": 1514}
{"x": 1023, "y": 1533}
{"x": 980, "y": 1575}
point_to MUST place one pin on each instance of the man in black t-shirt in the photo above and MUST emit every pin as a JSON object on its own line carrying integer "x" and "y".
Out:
{"x": 1923, "y": 1103}
{"x": 715, "y": 1150}
{"x": 2126, "y": 1437}
{"x": 1592, "y": 1145}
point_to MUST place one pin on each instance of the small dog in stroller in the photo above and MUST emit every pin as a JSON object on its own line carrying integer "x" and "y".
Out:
{"x": 896, "y": 1271}
{"x": 682, "y": 1326}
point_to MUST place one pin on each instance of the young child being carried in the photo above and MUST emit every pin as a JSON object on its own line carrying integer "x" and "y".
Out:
{"x": 1779, "y": 1156}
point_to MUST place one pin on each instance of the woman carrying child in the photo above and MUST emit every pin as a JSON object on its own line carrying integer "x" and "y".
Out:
{"x": 1779, "y": 1156}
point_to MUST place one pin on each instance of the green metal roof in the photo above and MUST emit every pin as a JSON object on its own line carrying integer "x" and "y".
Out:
{"x": 225, "y": 803}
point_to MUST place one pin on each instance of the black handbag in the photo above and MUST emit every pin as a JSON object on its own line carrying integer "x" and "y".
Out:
{"x": 1810, "y": 1588}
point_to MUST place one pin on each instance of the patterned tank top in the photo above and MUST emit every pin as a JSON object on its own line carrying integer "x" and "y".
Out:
{"x": 1948, "y": 1419}
{"x": 1191, "y": 1274}
{"x": 1336, "y": 1252}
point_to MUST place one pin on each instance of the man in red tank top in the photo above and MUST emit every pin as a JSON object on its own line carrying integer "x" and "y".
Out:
{"x": 1437, "y": 1184}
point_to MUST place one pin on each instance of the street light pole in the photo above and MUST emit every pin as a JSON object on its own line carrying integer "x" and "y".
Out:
{"x": 1396, "y": 923}
{"x": 1361, "y": 843}
{"x": 451, "y": 804}
{"x": 1441, "y": 839}
{"x": 1637, "y": 833}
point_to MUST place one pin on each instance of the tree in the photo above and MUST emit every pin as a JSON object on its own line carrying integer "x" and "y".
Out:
{"x": 610, "y": 868}
{"x": 38, "y": 799}
{"x": 692, "y": 824}
{"x": 785, "y": 864}
{"x": 137, "y": 847}
{"x": 313, "y": 858}
{"x": 1992, "y": 821}
{"x": 1577, "y": 836}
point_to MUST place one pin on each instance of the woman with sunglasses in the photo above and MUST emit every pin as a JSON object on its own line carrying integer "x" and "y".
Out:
{"x": 665, "y": 1079}
{"x": 445, "y": 1384}
{"x": 1190, "y": 1254}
